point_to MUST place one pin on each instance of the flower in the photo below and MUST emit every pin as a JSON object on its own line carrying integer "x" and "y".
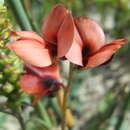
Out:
{"x": 94, "y": 50}
{"x": 56, "y": 41}
{"x": 80, "y": 40}
{"x": 40, "y": 82}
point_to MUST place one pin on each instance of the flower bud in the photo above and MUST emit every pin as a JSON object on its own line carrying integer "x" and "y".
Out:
{"x": 8, "y": 88}
{"x": 60, "y": 96}
{"x": 69, "y": 118}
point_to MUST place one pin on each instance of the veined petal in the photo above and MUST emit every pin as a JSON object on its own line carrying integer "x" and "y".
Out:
{"x": 74, "y": 53}
{"x": 52, "y": 71}
{"x": 28, "y": 35}
{"x": 32, "y": 52}
{"x": 91, "y": 33}
{"x": 31, "y": 84}
{"x": 53, "y": 23}
{"x": 104, "y": 54}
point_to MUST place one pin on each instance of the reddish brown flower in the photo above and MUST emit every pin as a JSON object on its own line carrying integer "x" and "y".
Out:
{"x": 40, "y": 82}
{"x": 58, "y": 32}
{"x": 94, "y": 51}
{"x": 81, "y": 41}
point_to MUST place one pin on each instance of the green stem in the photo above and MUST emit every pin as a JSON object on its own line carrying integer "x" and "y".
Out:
{"x": 20, "y": 14}
{"x": 43, "y": 114}
{"x": 56, "y": 107}
{"x": 21, "y": 121}
{"x": 17, "y": 112}
{"x": 66, "y": 91}
{"x": 46, "y": 126}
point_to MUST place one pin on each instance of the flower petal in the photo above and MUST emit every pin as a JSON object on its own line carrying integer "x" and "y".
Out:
{"x": 53, "y": 22}
{"x": 28, "y": 35}
{"x": 65, "y": 36}
{"x": 31, "y": 84}
{"x": 74, "y": 53}
{"x": 52, "y": 71}
{"x": 91, "y": 33}
{"x": 32, "y": 52}
{"x": 104, "y": 54}
{"x": 69, "y": 41}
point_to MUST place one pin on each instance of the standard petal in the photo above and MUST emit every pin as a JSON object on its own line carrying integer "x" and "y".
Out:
{"x": 91, "y": 33}
{"x": 74, "y": 54}
{"x": 28, "y": 35}
{"x": 31, "y": 84}
{"x": 32, "y": 52}
{"x": 53, "y": 22}
{"x": 104, "y": 54}
{"x": 52, "y": 71}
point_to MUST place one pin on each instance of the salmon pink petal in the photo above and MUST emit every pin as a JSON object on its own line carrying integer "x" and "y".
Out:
{"x": 32, "y": 52}
{"x": 75, "y": 51}
{"x": 52, "y": 70}
{"x": 91, "y": 33}
{"x": 31, "y": 84}
{"x": 53, "y": 23}
{"x": 65, "y": 36}
{"x": 28, "y": 35}
{"x": 118, "y": 42}
{"x": 104, "y": 54}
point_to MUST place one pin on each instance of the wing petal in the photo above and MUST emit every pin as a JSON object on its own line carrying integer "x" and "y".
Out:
{"x": 52, "y": 71}
{"x": 104, "y": 54}
{"x": 31, "y": 84}
{"x": 32, "y": 52}
{"x": 65, "y": 36}
{"x": 75, "y": 52}
{"x": 28, "y": 35}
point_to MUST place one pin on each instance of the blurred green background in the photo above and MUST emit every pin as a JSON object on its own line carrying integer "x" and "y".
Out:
{"x": 99, "y": 98}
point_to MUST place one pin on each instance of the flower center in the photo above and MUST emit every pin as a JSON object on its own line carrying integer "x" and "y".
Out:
{"x": 48, "y": 82}
{"x": 85, "y": 53}
{"x": 52, "y": 86}
{"x": 53, "y": 49}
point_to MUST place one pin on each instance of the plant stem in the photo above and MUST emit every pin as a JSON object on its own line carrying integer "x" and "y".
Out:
{"x": 20, "y": 119}
{"x": 66, "y": 91}
{"x": 20, "y": 14}
{"x": 43, "y": 114}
